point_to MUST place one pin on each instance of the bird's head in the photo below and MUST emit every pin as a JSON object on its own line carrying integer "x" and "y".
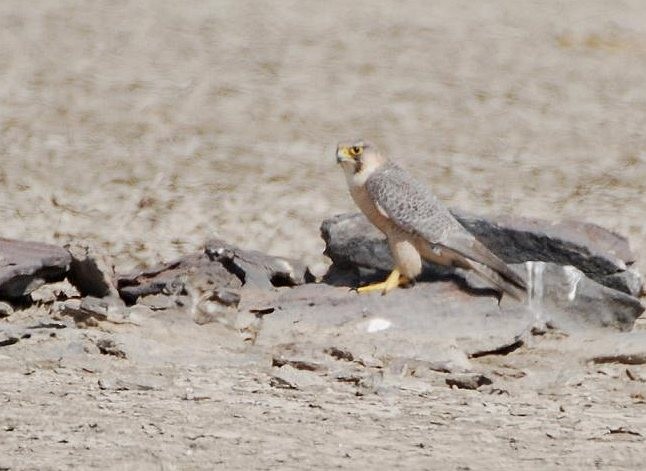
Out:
{"x": 357, "y": 156}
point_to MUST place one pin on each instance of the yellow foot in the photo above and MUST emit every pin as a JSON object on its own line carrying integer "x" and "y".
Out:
{"x": 393, "y": 281}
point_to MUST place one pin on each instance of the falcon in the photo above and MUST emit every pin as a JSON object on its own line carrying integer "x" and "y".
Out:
{"x": 417, "y": 225}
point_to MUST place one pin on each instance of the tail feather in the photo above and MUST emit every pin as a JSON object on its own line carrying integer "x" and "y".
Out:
{"x": 514, "y": 289}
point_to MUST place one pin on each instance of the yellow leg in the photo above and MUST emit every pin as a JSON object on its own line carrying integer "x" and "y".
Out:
{"x": 393, "y": 281}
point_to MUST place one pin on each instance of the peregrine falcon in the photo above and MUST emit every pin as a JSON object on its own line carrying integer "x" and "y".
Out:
{"x": 417, "y": 225}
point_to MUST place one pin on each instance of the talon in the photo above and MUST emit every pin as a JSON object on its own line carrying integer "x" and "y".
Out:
{"x": 394, "y": 280}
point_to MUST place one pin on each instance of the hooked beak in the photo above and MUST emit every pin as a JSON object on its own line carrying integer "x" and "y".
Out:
{"x": 343, "y": 155}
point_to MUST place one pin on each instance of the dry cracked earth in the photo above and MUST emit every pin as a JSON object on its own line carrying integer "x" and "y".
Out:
{"x": 147, "y": 127}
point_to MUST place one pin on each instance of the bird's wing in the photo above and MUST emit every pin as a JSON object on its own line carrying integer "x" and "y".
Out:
{"x": 410, "y": 205}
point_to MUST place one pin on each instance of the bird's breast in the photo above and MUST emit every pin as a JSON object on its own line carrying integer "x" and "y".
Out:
{"x": 365, "y": 203}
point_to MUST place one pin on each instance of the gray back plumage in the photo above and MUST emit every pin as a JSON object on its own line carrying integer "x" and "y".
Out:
{"x": 412, "y": 207}
{"x": 410, "y": 204}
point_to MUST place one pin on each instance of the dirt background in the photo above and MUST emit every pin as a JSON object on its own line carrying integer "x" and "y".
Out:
{"x": 147, "y": 127}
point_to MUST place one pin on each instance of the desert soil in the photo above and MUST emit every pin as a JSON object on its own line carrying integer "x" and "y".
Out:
{"x": 147, "y": 127}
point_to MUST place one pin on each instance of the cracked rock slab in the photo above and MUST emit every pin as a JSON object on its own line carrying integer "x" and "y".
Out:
{"x": 25, "y": 266}
{"x": 352, "y": 242}
{"x": 221, "y": 265}
{"x": 435, "y": 323}
{"x": 90, "y": 271}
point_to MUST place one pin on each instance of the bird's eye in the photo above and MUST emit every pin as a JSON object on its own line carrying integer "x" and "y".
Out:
{"x": 356, "y": 150}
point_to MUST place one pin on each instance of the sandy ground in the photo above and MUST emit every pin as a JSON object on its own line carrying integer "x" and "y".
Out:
{"x": 150, "y": 126}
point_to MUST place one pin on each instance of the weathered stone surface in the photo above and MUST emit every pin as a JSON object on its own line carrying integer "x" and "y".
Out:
{"x": 7, "y": 338}
{"x": 90, "y": 271}
{"x": 90, "y": 311}
{"x": 436, "y": 323}
{"x": 628, "y": 349}
{"x": 170, "y": 278}
{"x": 560, "y": 294}
{"x": 467, "y": 380}
{"x": 351, "y": 241}
{"x": 288, "y": 377}
{"x": 25, "y": 266}
{"x": 5, "y": 309}
{"x": 221, "y": 265}
{"x": 108, "y": 346}
{"x": 564, "y": 296}
{"x": 256, "y": 268}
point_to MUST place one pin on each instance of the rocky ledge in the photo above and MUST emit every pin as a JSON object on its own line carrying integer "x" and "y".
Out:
{"x": 582, "y": 278}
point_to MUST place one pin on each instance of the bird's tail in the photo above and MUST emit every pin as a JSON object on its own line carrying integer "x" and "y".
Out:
{"x": 504, "y": 284}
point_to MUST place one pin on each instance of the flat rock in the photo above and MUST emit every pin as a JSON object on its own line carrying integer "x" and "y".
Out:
{"x": 25, "y": 266}
{"x": 628, "y": 349}
{"x": 288, "y": 377}
{"x": 90, "y": 311}
{"x": 352, "y": 242}
{"x": 436, "y": 323}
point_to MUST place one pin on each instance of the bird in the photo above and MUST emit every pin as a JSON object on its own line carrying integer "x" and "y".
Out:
{"x": 417, "y": 225}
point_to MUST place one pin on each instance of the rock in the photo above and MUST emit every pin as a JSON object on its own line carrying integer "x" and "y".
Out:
{"x": 89, "y": 311}
{"x": 256, "y": 269}
{"x": 221, "y": 267}
{"x": 5, "y": 309}
{"x": 116, "y": 384}
{"x": 52, "y": 292}
{"x": 226, "y": 297}
{"x": 592, "y": 249}
{"x": 7, "y": 338}
{"x": 627, "y": 349}
{"x": 634, "y": 375}
{"x": 288, "y": 377}
{"x": 467, "y": 381}
{"x": 25, "y": 266}
{"x": 90, "y": 271}
{"x": 171, "y": 278}
{"x": 352, "y": 242}
{"x": 564, "y": 296}
{"x": 217, "y": 305}
{"x": 629, "y": 281}
{"x": 435, "y": 323}
{"x": 107, "y": 346}
{"x": 157, "y": 302}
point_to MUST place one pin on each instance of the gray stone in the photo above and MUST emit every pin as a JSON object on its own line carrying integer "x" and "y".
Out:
{"x": 117, "y": 384}
{"x": 288, "y": 377}
{"x": 90, "y": 271}
{"x": 257, "y": 269}
{"x": 353, "y": 243}
{"x": 564, "y": 296}
{"x": 89, "y": 311}
{"x": 5, "y": 309}
{"x": 158, "y": 302}
{"x": 171, "y": 278}
{"x": 436, "y": 323}
{"x": 221, "y": 268}
{"x": 107, "y": 346}
{"x": 25, "y": 266}
{"x": 8, "y": 338}
{"x": 629, "y": 281}
{"x": 467, "y": 380}
{"x": 628, "y": 349}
